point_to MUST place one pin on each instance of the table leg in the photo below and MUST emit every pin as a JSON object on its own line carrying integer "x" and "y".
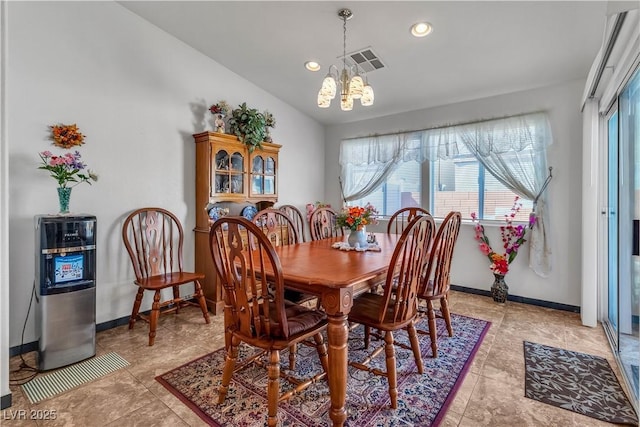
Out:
{"x": 338, "y": 334}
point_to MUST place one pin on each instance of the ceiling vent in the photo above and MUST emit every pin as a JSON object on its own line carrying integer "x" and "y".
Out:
{"x": 366, "y": 59}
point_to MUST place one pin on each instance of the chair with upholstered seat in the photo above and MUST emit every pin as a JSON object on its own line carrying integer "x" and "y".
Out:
{"x": 402, "y": 217}
{"x": 396, "y": 309}
{"x": 154, "y": 238}
{"x": 281, "y": 230}
{"x": 436, "y": 280}
{"x": 255, "y": 312}
{"x": 322, "y": 224}
{"x": 297, "y": 218}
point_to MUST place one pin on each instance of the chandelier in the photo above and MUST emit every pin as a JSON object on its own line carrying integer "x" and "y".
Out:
{"x": 352, "y": 85}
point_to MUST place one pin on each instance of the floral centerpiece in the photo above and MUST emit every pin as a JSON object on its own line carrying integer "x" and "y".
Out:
{"x": 357, "y": 217}
{"x": 66, "y": 136}
{"x": 512, "y": 239}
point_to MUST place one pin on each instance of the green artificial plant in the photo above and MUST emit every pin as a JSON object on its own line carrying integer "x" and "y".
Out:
{"x": 248, "y": 125}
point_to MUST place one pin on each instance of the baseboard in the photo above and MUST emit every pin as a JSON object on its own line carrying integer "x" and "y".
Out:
{"x": 33, "y": 346}
{"x": 5, "y": 401}
{"x": 524, "y": 300}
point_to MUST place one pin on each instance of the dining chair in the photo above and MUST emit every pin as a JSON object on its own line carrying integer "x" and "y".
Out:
{"x": 322, "y": 224}
{"x": 257, "y": 315}
{"x": 277, "y": 226}
{"x": 154, "y": 239}
{"x": 281, "y": 230}
{"x": 436, "y": 279}
{"x": 298, "y": 219}
{"x": 396, "y": 309}
{"x": 402, "y": 217}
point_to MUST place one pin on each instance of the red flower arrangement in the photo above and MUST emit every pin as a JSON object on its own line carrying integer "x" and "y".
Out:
{"x": 355, "y": 217}
{"x": 512, "y": 239}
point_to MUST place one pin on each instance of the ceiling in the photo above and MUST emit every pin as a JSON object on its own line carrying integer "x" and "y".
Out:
{"x": 477, "y": 49}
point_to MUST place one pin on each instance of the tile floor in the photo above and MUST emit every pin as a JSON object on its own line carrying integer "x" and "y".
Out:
{"x": 492, "y": 393}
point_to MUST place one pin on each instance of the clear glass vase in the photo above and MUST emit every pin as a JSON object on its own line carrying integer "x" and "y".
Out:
{"x": 64, "y": 195}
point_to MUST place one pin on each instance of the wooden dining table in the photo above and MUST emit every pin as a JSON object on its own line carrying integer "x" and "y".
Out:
{"x": 336, "y": 277}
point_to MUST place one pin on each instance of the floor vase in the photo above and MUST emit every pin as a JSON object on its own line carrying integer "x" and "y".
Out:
{"x": 64, "y": 195}
{"x": 499, "y": 289}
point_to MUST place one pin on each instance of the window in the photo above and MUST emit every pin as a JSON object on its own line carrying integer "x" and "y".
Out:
{"x": 463, "y": 184}
{"x": 470, "y": 167}
{"x": 401, "y": 189}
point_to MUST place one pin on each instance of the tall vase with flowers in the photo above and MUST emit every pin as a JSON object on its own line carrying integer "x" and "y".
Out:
{"x": 356, "y": 218}
{"x": 512, "y": 239}
{"x": 68, "y": 170}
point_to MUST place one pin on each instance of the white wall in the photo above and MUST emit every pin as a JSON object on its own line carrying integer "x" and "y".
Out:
{"x": 470, "y": 267}
{"x": 138, "y": 95}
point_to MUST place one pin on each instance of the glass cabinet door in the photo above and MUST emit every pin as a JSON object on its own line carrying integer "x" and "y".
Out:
{"x": 263, "y": 176}
{"x": 229, "y": 173}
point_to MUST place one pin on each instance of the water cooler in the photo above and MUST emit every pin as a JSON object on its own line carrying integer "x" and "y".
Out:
{"x": 66, "y": 289}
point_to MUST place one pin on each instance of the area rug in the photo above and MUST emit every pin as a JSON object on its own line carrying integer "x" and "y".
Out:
{"x": 577, "y": 382}
{"x": 422, "y": 401}
{"x": 64, "y": 379}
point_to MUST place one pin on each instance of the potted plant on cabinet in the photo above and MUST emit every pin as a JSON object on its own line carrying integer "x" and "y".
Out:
{"x": 249, "y": 125}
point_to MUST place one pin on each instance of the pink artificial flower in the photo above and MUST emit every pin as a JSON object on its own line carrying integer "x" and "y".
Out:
{"x": 485, "y": 249}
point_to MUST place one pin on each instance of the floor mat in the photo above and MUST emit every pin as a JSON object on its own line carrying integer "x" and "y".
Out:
{"x": 46, "y": 386}
{"x": 422, "y": 399}
{"x": 577, "y": 382}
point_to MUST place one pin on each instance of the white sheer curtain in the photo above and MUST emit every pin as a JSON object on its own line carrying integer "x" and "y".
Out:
{"x": 504, "y": 146}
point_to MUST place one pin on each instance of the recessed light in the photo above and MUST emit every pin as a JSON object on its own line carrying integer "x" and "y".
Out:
{"x": 312, "y": 65}
{"x": 421, "y": 29}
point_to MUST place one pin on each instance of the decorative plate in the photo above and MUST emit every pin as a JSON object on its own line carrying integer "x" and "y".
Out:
{"x": 215, "y": 213}
{"x": 249, "y": 212}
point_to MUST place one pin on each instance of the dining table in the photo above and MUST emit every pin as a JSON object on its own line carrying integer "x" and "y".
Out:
{"x": 336, "y": 277}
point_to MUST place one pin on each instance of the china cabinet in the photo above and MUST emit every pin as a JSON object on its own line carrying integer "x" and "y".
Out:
{"x": 227, "y": 172}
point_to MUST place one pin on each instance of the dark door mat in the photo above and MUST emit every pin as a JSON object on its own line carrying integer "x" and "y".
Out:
{"x": 577, "y": 382}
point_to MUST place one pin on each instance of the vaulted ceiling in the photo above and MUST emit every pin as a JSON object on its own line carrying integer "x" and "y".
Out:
{"x": 477, "y": 49}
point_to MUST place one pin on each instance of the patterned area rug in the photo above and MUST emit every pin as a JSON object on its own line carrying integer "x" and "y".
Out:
{"x": 423, "y": 399}
{"x": 578, "y": 382}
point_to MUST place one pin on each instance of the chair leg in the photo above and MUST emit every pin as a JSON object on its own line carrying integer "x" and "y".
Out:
{"x": 176, "y": 297}
{"x": 153, "y": 318}
{"x": 415, "y": 346}
{"x": 433, "y": 333}
{"x": 367, "y": 336}
{"x": 293, "y": 349}
{"x": 444, "y": 307}
{"x": 136, "y": 307}
{"x": 322, "y": 352}
{"x": 201, "y": 300}
{"x": 390, "y": 352}
{"x": 273, "y": 388}
{"x": 229, "y": 366}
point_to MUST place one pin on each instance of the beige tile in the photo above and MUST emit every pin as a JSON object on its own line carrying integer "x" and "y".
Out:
{"x": 496, "y": 403}
{"x": 492, "y": 393}
{"x": 155, "y": 414}
{"x": 99, "y": 402}
{"x": 463, "y": 394}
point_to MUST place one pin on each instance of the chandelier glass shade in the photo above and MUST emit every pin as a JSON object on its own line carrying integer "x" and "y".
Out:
{"x": 352, "y": 85}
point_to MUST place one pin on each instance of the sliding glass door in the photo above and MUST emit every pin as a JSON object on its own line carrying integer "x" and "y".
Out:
{"x": 623, "y": 212}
